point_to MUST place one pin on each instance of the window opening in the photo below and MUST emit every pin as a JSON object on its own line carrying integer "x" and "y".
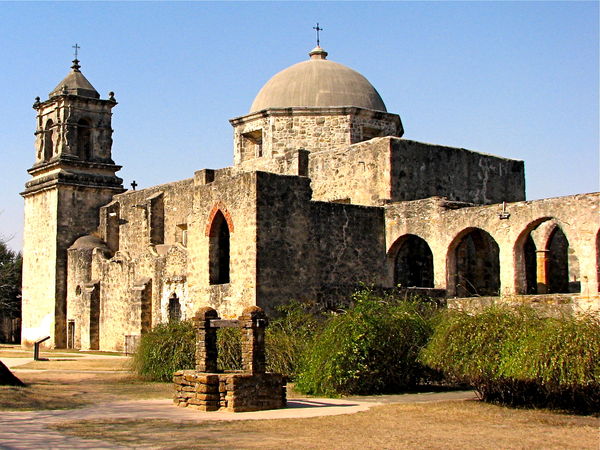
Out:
{"x": 219, "y": 250}
{"x": 48, "y": 144}
{"x": 174, "y": 309}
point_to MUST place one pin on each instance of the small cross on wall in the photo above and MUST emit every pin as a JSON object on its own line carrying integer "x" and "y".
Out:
{"x": 134, "y": 185}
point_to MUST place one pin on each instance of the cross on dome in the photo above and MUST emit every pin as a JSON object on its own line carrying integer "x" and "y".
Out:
{"x": 317, "y": 28}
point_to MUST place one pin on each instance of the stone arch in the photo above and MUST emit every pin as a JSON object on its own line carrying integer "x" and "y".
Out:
{"x": 526, "y": 253}
{"x": 48, "y": 140}
{"x": 563, "y": 264}
{"x": 84, "y": 139}
{"x": 556, "y": 264}
{"x": 412, "y": 262}
{"x": 218, "y": 208}
{"x": 219, "y": 230}
{"x": 473, "y": 264}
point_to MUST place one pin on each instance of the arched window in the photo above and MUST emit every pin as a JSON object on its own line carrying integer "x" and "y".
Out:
{"x": 174, "y": 308}
{"x": 477, "y": 260}
{"x": 413, "y": 266}
{"x": 84, "y": 139}
{"x": 48, "y": 143}
{"x": 219, "y": 250}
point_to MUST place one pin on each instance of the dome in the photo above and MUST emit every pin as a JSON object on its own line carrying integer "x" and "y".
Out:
{"x": 318, "y": 82}
{"x": 88, "y": 242}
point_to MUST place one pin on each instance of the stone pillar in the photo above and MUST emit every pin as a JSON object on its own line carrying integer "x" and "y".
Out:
{"x": 253, "y": 322}
{"x": 542, "y": 271}
{"x": 206, "y": 340}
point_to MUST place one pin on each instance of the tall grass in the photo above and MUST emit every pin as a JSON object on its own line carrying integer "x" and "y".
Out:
{"x": 514, "y": 356}
{"x": 168, "y": 347}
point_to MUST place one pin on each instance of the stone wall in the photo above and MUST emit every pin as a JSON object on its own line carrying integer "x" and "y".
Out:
{"x": 359, "y": 174}
{"x": 233, "y": 196}
{"x": 54, "y": 219}
{"x": 389, "y": 169}
{"x": 39, "y": 263}
{"x": 139, "y": 212}
{"x": 421, "y": 170}
{"x": 442, "y": 224}
{"x": 234, "y": 392}
{"x": 283, "y": 131}
{"x": 305, "y": 247}
{"x": 549, "y": 304}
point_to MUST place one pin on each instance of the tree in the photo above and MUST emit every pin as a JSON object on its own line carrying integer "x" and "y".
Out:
{"x": 10, "y": 281}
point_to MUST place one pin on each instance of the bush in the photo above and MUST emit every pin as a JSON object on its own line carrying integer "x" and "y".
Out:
{"x": 229, "y": 346}
{"x": 289, "y": 334}
{"x": 167, "y": 348}
{"x": 171, "y": 346}
{"x": 515, "y": 357}
{"x": 372, "y": 348}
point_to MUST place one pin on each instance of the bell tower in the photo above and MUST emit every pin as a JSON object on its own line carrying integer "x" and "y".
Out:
{"x": 72, "y": 177}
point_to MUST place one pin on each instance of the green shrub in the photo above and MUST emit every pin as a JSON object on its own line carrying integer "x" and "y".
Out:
{"x": 372, "y": 348}
{"x": 288, "y": 335}
{"x": 168, "y": 347}
{"x": 171, "y": 346}
{"x": 229, "y": 346}
{"x": 516, "y": 357}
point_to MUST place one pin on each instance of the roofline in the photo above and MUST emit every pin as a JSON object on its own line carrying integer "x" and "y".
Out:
{"x": 307, "y": 111}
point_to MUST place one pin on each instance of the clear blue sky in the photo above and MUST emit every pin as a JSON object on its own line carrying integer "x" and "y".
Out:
{"x": 515, "y": 79}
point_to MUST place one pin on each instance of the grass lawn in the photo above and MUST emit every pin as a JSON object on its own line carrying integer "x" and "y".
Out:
{"x": 68, "y": 363}
{"x": 63, "y": 390}
{"x": 465, "y": 424}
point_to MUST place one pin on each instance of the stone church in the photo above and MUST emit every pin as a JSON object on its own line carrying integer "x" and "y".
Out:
{"x": 324, "y": 194}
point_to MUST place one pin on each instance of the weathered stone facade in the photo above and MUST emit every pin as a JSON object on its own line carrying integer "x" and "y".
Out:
{"x": 73, "y": 176}
{"x": 321, "y": 197}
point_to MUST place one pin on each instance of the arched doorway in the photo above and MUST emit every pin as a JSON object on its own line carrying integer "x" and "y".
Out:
{"x": 562, "y": 264}
{"x": 544, "y": 260}
{"x": 476, "y": 259}
{"x": 530, "y": 257}
{"x": 413, "y": 264}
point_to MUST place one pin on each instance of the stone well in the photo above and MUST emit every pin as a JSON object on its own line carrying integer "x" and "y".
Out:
{"x": 208, "y": 389}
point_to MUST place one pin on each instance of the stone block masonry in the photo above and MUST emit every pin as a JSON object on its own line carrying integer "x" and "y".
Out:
{"x": 234, "y": 392}
{"x": 252, "y": 389}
